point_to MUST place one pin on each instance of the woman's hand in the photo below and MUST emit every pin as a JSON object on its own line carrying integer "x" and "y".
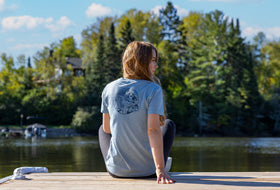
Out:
{"x": 163, "y": 177}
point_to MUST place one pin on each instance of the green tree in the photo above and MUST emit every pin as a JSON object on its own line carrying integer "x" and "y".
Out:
{"x": 145, "y": 26}
{"x": 90, "y": 40}
{"x": 96, "y": 75}
{"x": 221, "y": 70}
{"x": 56, "y": 83}
{"x": 126, "y": 35}
{"x": 11, "y": 90}
{"x": 190, "y": 30}
{"x": 29, "y": 63}
{"x": 112, "y": 61}
{"x": 268, "y": 71}
{"x": 172, "y": 84}
{"x": 153, "y": 30}
{"x": 170, "y": 22}
{"x": 138, "y": 21}
{"x": 67, "y": 48}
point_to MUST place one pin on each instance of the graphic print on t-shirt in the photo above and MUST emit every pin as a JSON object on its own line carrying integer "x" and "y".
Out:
{"x": 127, "y": 101}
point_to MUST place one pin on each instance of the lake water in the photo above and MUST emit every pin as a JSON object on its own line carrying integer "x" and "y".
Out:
{"x": 82, "y": 154}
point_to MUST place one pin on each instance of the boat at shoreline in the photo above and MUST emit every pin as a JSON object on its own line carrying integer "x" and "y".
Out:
{"x": 35, "y": 130}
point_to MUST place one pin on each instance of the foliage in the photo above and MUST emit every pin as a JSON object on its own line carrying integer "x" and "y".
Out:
{"x": 87, "y": 121}
{"x": 213, "y": 80}
{"x": 170, "y": 22}
{"x": 112, "y": 63}
{"x": 126, "y": 35}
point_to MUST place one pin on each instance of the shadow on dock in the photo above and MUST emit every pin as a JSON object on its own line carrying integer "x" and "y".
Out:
{"x": 226, "y": 180}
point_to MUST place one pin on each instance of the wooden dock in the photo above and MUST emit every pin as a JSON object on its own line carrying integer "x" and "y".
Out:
{"x": 189, "y": 181}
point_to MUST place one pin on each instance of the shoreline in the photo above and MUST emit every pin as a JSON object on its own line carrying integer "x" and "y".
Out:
{"x": 54, "y": 132}
{"x": 51, "y": 132}
{"x": 62, "y": 132}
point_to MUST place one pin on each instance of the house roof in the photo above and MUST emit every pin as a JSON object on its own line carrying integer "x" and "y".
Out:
{"x": 76, "y": 63}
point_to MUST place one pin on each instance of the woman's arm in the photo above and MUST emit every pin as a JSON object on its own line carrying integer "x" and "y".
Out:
{"x": 106, "y": 123}
{"x": 156, "y": 143}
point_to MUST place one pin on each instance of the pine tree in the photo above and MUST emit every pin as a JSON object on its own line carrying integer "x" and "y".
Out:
{"x": 241, "y": 90}
{"x": 205, "y": 78}
{"x": 96, "y": 75}
{"x": 170, "y": 22}
{"x": 29, "y": 63}
{"x": 253, "y": 102}
{"x": 113, "y": 56}
{"x": 126, "y": 35}
{"x": 232, "y": 74}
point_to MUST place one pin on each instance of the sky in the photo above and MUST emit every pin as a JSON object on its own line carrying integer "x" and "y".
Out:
{"x": 26, "y": 26}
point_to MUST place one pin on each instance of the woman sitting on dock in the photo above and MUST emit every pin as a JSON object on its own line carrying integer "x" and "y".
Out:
{"x": 132, "y": 142}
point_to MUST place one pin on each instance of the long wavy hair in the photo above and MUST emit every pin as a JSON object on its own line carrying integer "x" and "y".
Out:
{"x": 136, "y": 59}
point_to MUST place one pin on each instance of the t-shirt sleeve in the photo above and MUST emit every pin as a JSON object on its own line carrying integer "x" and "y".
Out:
{"x": 156, "y": 103}
{"x": 104, "y": 103}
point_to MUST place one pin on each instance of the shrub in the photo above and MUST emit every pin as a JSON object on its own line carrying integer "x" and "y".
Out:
{"x": 87, "y": 120}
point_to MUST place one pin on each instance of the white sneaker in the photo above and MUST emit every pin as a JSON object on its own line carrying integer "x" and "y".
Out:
{"x": 168, "y": 164}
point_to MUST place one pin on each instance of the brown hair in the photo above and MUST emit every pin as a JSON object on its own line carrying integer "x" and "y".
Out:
{"x": 136, "y": 59}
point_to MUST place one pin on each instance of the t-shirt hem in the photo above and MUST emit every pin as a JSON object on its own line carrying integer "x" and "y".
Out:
{"x": 128, "y": 175}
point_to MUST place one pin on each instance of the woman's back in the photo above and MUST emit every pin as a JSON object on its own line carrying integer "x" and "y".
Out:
{"x": 130, "y": 137}
{"x": 129, "y": 101}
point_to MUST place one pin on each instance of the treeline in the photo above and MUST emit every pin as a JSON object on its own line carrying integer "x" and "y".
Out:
{"x": 214, "y": 81}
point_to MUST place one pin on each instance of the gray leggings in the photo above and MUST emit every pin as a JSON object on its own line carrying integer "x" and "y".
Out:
{"x": 168, "y": 132}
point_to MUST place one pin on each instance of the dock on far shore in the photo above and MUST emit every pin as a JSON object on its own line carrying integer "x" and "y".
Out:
{"x": 185, "y": 180}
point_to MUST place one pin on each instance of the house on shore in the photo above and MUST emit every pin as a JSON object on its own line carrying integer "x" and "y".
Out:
{"x": 76, "y": 64}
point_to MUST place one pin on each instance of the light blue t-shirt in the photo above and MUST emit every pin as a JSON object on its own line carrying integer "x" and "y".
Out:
{"x": 128, "y": 102}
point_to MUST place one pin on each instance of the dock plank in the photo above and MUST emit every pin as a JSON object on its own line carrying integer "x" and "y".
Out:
{"x": 190, "y": 181}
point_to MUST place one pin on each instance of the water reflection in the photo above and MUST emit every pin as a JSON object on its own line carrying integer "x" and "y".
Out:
{"x": 226, "y": 154}
{"x": 73, "y": 154}
{"x": 82, "y": 154}
{"x": 252, "y": 145}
